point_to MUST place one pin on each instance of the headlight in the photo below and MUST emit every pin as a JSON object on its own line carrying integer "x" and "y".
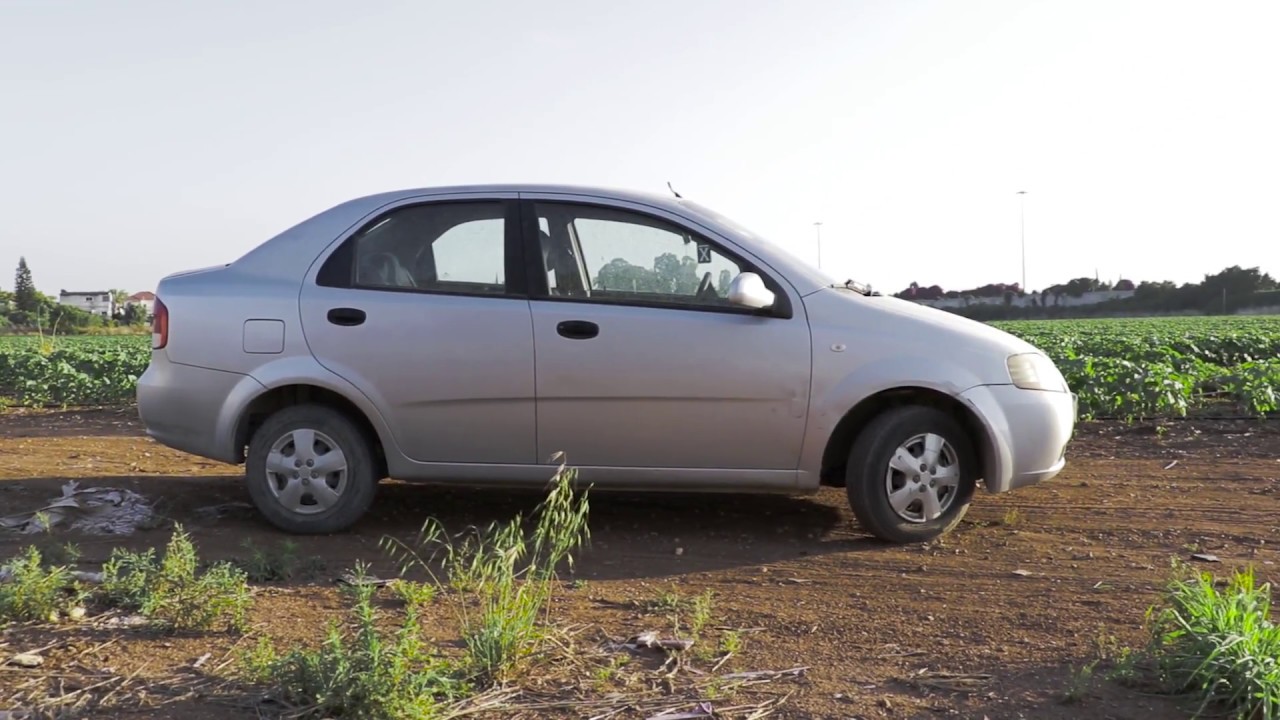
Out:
{"x": 1033, "y": 371}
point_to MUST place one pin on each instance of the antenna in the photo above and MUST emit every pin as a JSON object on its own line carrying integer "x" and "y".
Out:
{"x": 673, "y": 190}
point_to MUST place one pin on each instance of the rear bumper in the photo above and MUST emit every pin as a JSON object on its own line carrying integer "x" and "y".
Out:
{"x": 188, "y": 408}
{"x": 1028, "y": 433}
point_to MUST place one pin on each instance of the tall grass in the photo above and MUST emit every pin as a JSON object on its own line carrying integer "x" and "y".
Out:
{"x": 366, "y": 673}
{"x": 503, "y": 580}
{"x": 1220, "y": 645}
{"x": 511, "y": 576}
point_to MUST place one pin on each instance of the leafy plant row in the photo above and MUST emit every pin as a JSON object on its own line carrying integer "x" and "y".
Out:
{"x": 102, "y": 370}
{"x": 1164, "y": 367}
{"x": 1144, "y": 367}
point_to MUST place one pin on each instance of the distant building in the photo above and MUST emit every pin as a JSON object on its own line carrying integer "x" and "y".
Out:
{"x": 96, "y": 302}
{"x": 146, "y": 300}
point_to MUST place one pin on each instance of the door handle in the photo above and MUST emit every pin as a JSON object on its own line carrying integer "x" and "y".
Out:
{"x": 346, "y": 316}
{"x": 578, "y": 329}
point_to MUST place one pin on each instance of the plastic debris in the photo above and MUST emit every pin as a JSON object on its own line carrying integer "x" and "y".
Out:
{"x": 26, "y": 660}
{"x": 649, "y": 640}
{"x": 353, "y": 579}
{"x": 96, "y": 511}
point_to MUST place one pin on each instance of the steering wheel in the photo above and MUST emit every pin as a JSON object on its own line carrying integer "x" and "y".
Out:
{"x": 703, "y": 286}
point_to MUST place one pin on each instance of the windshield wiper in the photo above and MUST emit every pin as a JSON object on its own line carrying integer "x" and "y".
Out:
{"x": 857, "y": 287}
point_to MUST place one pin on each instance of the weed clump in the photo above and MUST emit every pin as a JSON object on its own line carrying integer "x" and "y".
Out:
{"x": 512, "y": 577}
{"x": 1219, "y": 645}
{"x": 172, "y": 591}
{"x": 279, "y": 564}
{"x": 414, "y": 594}
{"x": 31, "y": 589}
{"x": 504, "y": 582}
{"x": 362, "y": 673}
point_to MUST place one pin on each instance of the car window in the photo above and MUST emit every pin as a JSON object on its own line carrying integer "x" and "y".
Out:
{"x": 447, "y": 247}
{"x": 615, "y": 255}
{"x": 473, "y": 252}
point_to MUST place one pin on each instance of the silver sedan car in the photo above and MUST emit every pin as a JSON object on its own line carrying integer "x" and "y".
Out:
{"x": 467, "y": 335}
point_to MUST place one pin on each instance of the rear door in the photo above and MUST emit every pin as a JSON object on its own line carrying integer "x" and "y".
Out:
{"x": 424, "y": 310}
{"x": 641, "y": 360}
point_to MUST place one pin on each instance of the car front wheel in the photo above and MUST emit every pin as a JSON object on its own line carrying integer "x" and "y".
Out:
{"x": 911, "y": 474}
{"x": 310, "y": 470}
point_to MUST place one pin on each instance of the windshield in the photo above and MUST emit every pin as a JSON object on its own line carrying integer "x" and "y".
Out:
{"x": 825, "y": 277}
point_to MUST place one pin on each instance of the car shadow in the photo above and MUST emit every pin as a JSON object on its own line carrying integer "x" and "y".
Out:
{"x": 632, "y": 535}
{"x": 1042, "y": 690}
{"x": 641, "y": 535}
{"x": 80, "y": 422}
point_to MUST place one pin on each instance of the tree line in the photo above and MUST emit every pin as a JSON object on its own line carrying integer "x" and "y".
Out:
{"x": 1225, "y": 292}
{"x": 26, "y": 308}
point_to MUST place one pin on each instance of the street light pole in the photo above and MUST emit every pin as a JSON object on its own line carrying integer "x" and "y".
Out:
{"x": 818, "y": 227}
{"x": 1022, "y": 221}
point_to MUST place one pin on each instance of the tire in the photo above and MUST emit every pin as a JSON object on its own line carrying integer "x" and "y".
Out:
{"x": 293, "y": 504}
{"x": 873, "y": 473}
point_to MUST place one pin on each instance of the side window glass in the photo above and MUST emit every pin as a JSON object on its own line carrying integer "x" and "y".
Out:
{"x": 445, "y": 247}
{"x": 609, "y": 254}
{"x": 473, "y": 252}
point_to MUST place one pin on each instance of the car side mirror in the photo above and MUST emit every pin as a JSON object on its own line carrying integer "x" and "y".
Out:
{"x": 748, "y": 290}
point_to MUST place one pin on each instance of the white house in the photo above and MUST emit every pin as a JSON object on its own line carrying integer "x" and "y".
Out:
{"x": 97, "y": 302}
{"x": 146, "y": 300}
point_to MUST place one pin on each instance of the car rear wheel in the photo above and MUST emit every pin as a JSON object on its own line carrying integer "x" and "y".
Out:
{"x": 310, "y": 470}
{"x": 911, "y": 474}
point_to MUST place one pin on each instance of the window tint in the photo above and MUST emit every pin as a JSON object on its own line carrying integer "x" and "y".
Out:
{"x": 457, "y": 247}
{"x": 472, "y": 252}
{"x": 615, "y": 255}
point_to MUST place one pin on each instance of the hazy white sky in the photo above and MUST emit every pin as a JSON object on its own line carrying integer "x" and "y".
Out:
{"x": 142, "y": 137}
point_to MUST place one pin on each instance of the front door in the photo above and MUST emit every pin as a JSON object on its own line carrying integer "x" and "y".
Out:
{"x": 641, "y": 360}
{"x": 424, "y": 310}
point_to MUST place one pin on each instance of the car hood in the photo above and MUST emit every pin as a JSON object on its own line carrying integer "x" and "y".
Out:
{"x": 887, "y": 329}
{"x": 949, "y": 323}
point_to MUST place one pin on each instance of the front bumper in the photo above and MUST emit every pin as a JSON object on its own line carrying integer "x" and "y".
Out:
{"x": 1028, "y": 432}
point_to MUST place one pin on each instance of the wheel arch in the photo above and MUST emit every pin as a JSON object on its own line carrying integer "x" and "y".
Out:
{"x": 277, "y": 398}
{"x": 835, "y": 454}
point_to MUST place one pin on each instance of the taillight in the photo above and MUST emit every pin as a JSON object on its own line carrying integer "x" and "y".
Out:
{"x": 159, "y": 326}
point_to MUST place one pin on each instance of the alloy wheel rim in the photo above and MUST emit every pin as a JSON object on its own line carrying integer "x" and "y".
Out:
{"x": 306, "y": 471}
{"x": 923, "y": 478}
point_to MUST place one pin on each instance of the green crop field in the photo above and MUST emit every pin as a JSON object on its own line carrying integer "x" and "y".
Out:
{"x": 72, "y": 370}
{"x": 1164, "y": 367}
{"x": 1146, "y": 367}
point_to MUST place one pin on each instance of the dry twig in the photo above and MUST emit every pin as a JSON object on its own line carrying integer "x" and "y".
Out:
{"x": 939, "y": 680}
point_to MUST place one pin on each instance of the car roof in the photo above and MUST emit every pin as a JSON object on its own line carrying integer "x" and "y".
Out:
{"x": 329, "y": 223}
{"x": 659, "y": 200}
{"x": 604, "y": 190}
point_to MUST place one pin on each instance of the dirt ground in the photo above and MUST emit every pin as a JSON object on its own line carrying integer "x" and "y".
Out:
{"x": 1015, "y": 600}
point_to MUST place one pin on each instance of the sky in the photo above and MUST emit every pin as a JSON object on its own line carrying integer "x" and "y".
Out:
{"x": 144, "y": 137}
